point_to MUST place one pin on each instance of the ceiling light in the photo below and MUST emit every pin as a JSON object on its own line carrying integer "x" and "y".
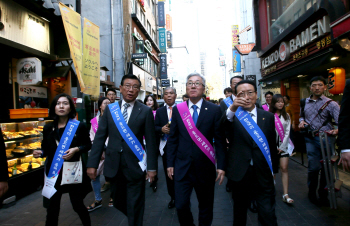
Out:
{"x": 334, "y": 58}
{"x": 300, "y": 76}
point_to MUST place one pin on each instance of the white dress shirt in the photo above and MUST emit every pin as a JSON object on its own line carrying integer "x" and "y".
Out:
{"x": 129, "y": 110}
{"x": 233, "y": 97}
{"x": 199, "y": 105}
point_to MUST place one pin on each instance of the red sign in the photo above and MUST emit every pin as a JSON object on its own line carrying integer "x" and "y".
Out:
{"x": 245, "y": 49}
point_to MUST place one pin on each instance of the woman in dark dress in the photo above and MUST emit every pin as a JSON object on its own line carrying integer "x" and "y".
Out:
{"x": 61, "y": 110}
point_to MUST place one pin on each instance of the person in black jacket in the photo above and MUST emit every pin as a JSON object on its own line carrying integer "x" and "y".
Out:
{"x": 247, "y": 167}
{"x": 344, "y": 128}
{"x": 61, "y": 110}
{"x": 3, "y": 167}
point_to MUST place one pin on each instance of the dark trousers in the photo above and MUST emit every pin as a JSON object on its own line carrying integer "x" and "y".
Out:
{"x": 128, "y": 194}
{"x": 204, "y": 188}
{"x": 314, "y": 155}
{"x": 264, "y": 191}
{"x": 77, "y": 200}
{"x": 169, "y": 183}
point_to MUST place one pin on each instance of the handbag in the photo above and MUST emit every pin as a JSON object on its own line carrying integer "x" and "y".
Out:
{"x": 72, "y": 172}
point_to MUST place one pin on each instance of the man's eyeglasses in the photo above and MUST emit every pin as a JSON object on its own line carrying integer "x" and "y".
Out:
{"x": 128, "y": 87}
{"x": 111, "y": 94}
{"x": 249, "y": 94}
{"x": 190, "y": 84}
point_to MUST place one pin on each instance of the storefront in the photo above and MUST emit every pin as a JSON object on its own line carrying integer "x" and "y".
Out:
{"x": 32, "y": 45}
{"x": 300, "y": 44}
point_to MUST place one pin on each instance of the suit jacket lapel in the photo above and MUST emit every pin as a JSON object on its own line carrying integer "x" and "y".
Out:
{"x": 260, "y": 119}
{"x": 135, "y": 112}
{"x": 201, "y": 113}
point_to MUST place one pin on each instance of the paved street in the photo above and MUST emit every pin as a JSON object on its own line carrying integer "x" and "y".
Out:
{"x": 29, "y": 211}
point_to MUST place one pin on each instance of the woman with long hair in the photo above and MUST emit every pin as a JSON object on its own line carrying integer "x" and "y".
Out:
{"x": 151, "y": 102}
{"x": 282, "y": 123}
{"x": 96, "y": 184}
{"x": 63, "y": 113}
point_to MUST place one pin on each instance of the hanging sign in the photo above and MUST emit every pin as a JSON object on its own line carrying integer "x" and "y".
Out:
{"x": 32, "y": 91}
{"x": 162, "y": 40}
{"x": 169, "y": 39}
{"x": 234, "y": 30}
{"x": 245, "y": 49}
{"x": 161, "y": 14}
{"x": 169, "y": 21}
{"x": 236, "y": 61}
{"x": 163, "y": 67}
{"x": 29, "y": 71}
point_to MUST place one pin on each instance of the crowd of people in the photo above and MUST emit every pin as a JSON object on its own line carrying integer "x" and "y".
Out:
{"x": 200, "y": 142}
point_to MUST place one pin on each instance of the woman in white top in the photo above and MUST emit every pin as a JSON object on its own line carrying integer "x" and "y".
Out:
{"x": 96, "y": 184}
{"x": 284, "y": 145}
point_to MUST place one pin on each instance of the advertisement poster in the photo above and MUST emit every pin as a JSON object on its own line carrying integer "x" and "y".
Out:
{"x": 235, "y": 31}
{"x": 91, "y": 59}
{"x": 236, "y": 61}
{"x": 72, "y": 26}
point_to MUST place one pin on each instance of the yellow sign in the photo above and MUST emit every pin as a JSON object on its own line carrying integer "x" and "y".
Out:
{"x": 91, "y": 60}
{"x": 72, "y": 26}
{"x": 234, "y": 30}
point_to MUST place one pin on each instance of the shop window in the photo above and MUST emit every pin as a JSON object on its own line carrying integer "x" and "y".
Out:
{"x": 149, "y": 28}
{"x": 283, "y": 13}
{"x": 132, "y": 6}
{"x": 143, "y": 19}
{"x": 153, "y": 8}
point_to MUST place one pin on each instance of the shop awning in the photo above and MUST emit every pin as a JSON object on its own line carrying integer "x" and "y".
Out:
{"x": 341, "y": 26}
{"x": 54, "y": 72}
{"x": 316, "y": 64}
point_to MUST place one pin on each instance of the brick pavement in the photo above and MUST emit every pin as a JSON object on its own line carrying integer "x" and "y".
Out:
{"x": 29, "y": 210}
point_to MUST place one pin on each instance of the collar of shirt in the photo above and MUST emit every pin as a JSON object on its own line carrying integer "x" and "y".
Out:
{"x": 129, "y": 110}
{"x": 312, "y": 100}
{"x": 199, "y": 105}
{"x": 167, "y": 106}
{"x": 233, "y": 97}
{"x": 255, "y": 113}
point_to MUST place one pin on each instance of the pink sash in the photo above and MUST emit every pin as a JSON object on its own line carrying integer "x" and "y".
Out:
{"x": 280, "y": 131}
{"x": 265, "y": 107}
{"x": 154, "y": 114}
{"x": 197, "y": 137}
{"x": 94, "y": 124}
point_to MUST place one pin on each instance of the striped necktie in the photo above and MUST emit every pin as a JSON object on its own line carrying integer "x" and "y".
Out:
{"x": 125, "y": 112}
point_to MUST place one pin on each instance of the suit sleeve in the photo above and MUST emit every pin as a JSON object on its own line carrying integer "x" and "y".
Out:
{"x": 220, "y": 141}
{"x": 173, "y": 140}
{"x": 85, "y": 142}
{"x": 150, "y": 137}
{"x": 344, "y": 119}
{"x": 157, "y": 124}
{"x": 3, "y": 165}
{"x": 99, "y": 141}
{"x": 223, "y": 107}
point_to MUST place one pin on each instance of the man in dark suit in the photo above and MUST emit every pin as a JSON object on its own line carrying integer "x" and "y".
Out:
{"x": 188, "y": 165}
{"x": 162, "y": 124}
{"x": 233, "y": 82}
{"x": 121, "y": 164}
{"x": 3, "y": 168}
{"x": 344, "y": 128}
{"x": 247, "y": 167}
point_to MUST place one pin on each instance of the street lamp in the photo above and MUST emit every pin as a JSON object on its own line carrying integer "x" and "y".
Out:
{"x": 173, "y": 81}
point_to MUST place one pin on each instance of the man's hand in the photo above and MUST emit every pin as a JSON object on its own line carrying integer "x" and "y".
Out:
{"x": 239, "y": 102}
{"x": 170, "y": 171}
{"x": 70, "y": 152}
{"x": 166, "y": 129}
{"x": 221, "y": 175}
{"x": 37, "y": 153}
{"x": 345, "y": 160}
{"x": 92, "y": 172}
{"x": 302, "y": 124}
{"x": 3, "y": 188}
{"x": 333, "y": 132}
{"x": 151, "y": 175}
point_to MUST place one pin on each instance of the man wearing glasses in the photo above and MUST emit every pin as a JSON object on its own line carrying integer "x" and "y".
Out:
{"x": 126, "y": 122}
{"x": 111, "y": 95}
{"x": 191, "y": 157}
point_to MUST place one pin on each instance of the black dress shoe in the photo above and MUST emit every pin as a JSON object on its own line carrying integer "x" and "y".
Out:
{"x": 171, "y": 204}
{"x": 253, "y": 207}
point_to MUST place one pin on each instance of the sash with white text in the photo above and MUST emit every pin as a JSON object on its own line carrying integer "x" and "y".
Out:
{"x": 228, "y": 101}
{"x": 280, "y": 131}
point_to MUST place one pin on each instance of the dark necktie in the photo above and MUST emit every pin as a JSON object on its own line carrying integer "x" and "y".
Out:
{"x": 195, "y": 114}
{"x": 125, "y": 112}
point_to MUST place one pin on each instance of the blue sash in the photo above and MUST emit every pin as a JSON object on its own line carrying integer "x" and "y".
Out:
{"x": 62, "y": 147}
{"x": 256, "y": 133}
{"x": 228, "y": 101}
{"x": 128, "y": 135}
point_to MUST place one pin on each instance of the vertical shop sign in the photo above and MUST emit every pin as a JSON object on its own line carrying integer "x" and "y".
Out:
{"x": 169, "y": 22}
{"x": 72, "y": 26}
{"x": 162, "y": 40}
{"x": 234, "y": 34}
{"x": 236, "y": 61}
{"x": 161, "y": 14}
{"x": 163, "y": 67}
{"x": 169, "y": 39}
{"x": 91, "y": 60}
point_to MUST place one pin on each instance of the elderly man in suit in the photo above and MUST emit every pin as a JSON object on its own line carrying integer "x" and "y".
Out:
{"x": 125, "y": 123}
{"x": 344, "y": 128}
{"x": 190, "y": 154}
{"x": 252, "y": 155}
{"x": 162, "y": 123}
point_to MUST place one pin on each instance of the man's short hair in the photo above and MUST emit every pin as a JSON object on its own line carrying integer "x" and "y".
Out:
{"x": 268, "y": 93}
{"x": 130, "y": 76}
{"x": 185, "y": 96}
{"x": 288, "y": 98}
{"x": 318, "y": 78}
{"x": 169, "y": 87}
{"x": 228, "y": 89}
{"x": 196, "y": 74}
{"x": 112, "y": 90}
{"x": 246, "y": 82}
{"x": 236, "y": 76}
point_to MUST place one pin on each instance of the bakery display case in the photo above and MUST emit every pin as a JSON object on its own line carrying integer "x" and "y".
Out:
{"x": 21, "y": 139}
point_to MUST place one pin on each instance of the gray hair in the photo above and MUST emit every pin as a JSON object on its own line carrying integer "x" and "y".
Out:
{"x": 169, "y": 87}
{"x": 196, "y": 74}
